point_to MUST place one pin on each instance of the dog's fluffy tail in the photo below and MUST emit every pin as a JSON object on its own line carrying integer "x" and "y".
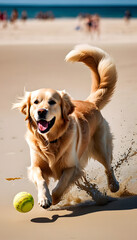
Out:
{"x": 104, "y": 75}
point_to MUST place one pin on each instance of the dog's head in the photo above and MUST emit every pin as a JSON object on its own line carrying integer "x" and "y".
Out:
{"x": 46, "y": 109}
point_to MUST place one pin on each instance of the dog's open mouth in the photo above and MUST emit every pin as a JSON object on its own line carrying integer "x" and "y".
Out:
{"x": 44, "y": 126}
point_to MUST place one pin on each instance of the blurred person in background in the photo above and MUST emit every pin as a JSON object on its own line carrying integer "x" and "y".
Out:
{"x": 96, "y": 25}
{"x": 80, "y": 19}
{"x": 92, "y": 23}
{"x": 14, "y": 16}
{"x": 0, "y": 15}
{"x": 127, "y": 16}
{"x": 45, "y": 15}
{"x": 4, "y": 19}
{"x": 89, "y": 23}
{"x": 24, "y": 15}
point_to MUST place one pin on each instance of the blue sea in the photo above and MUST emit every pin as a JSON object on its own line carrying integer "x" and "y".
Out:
{"x": 71, "y": 11}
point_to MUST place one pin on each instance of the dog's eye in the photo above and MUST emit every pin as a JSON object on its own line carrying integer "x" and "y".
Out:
{"x": 36, "y": 101}
{"x": 51, "y": 102}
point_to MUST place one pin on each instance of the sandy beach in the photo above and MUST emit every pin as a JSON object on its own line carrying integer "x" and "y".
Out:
{"x": 32, "y": 56}
{"x": 60, "y": 31}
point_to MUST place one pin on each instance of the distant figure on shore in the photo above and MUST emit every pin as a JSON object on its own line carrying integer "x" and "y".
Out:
{"x": 14, "y": 16}
{"x": 1, "y": 16}
{"x": 89, "y": 23}
{"x": 92, "y": 23}
{"x": 79, "y": 24}
{"x": 127, "y": 16}
{"x": 39, "y": 15}
{"x": 96, "y": 24}
{"x": 45, "y": 15}
{"x": 24, "y": 15}
{"x": 4, "y": 19}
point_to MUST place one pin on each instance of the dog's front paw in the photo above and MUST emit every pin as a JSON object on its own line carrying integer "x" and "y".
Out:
{"x": 44, "y": 202}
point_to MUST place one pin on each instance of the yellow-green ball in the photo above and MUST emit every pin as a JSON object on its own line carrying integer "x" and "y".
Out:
{"x": 23, "y": 202}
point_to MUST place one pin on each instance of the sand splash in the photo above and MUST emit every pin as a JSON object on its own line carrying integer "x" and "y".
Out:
{"x": 95, "y": 188}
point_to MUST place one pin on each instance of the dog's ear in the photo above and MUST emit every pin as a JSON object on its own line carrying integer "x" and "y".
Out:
{"x": 67, "y": 106}
{"x": 24, "y": 105}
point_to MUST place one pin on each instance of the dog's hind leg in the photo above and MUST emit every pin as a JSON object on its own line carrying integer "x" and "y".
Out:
{"x": 102, "y": 152}
{"x": 93, "y": 191}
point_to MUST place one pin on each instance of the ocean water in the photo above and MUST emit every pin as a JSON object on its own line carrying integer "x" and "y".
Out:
{"x": 71, "y": 11}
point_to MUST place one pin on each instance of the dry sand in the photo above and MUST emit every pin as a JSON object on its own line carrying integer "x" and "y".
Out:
{"x": 32, "y": 56}
{"x": 64, "y": 31}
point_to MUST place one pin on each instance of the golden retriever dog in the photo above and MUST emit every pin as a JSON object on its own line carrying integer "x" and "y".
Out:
{"x": 64, "y": 133}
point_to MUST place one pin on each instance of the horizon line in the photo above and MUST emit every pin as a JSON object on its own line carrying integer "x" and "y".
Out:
{"x": 68, "y": 4}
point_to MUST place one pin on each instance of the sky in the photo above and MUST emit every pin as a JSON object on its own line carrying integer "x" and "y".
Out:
{"x": 75, "y": 2}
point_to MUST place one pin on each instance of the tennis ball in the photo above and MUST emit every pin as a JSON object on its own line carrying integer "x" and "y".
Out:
{"x": 23, "y": 202}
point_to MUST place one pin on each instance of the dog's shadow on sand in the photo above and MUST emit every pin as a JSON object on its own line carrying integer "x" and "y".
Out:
{"x": 89, "y": 207}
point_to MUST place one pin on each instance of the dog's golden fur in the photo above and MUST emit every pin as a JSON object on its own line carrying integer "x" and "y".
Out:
{"x": 77, "y": 131}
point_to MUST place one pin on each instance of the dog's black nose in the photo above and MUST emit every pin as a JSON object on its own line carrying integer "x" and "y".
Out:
{"x": 42, "y": 113}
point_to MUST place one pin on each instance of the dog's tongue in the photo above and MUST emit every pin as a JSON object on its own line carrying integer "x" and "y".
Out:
{"x": 42, "y": 125}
